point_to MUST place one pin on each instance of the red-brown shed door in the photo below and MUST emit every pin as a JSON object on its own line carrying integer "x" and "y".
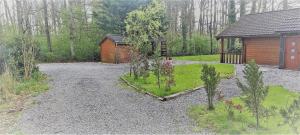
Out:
{"x": 292, "y": 52}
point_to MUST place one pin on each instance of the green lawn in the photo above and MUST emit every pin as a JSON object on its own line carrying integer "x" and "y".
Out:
{"x": 244, "y": 122}
{"x": 186, "y": 77}
{"x": 209, "y": 58}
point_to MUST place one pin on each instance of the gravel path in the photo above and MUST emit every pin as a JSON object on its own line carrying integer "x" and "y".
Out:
{"x": 273, "y": 76}
{"x": 89, "y": 98}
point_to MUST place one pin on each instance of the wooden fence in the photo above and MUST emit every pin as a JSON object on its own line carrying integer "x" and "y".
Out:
{"x": 232, "y": 58}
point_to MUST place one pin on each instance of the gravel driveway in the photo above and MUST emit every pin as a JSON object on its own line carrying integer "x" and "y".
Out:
{"x": 89, "y": 98}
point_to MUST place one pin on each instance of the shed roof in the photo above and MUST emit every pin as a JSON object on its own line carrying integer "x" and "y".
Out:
{"x": 118, "y": 39}
{"x": 264, "y": 24}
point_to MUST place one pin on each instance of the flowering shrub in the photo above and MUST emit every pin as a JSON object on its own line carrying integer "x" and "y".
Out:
{"x": 168, "y": 72}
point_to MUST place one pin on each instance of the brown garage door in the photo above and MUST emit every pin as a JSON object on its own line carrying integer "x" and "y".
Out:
{"x": 264, "y": 51}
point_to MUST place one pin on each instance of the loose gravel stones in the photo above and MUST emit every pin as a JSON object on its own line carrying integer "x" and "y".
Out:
{"x": 90, "y": 98}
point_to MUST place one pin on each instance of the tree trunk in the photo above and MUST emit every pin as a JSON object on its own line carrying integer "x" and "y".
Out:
{"x": 47, "y": 25}
{"x": 285, "y": 4}
{"x": 242, "y": 7}
{"x": 253, "y": 8}
{"x": 8, "y": 14}
{"x": 72, "y": 29}
{"x": 19, "y": 16}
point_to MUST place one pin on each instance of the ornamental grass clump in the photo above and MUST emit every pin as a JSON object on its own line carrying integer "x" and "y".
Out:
{"x": 211, "y": 80}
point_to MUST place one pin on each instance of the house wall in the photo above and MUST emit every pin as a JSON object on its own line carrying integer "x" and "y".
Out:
{"x": 264, "y": 51}
{"x": 108, "y": 51}
{"x": 123, "y": 54}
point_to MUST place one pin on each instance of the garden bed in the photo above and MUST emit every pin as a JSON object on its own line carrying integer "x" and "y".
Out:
{"x": 187, "y": 79}
{"x": 244, "y": 122}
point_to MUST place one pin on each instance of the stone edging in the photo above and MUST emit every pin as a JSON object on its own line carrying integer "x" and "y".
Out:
{"x": 165, "y": 98}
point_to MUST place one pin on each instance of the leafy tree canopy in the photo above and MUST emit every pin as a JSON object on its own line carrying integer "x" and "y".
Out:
{"x": 110, "y": 14}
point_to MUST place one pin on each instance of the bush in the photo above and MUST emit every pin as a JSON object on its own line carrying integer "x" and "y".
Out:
{"x": 211, "y": 79}
{"x": 7, "y": 86}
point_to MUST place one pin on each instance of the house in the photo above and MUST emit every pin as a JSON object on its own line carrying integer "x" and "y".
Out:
{"x": 269, "y": 38}
{"x": 113, "y": 49}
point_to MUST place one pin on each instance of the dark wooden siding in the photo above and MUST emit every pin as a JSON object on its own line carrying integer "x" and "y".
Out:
{"x": 264, "y": 51}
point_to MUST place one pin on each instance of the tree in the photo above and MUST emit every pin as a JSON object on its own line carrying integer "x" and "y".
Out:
{"x": 285, "y": 4}
{"x": 253, "y": 8}
{"x": 110, "y": 15}
{"x": 47, "y": 25}
{"x": 71, "y": 28}
{"x": 157, "y": 66}
{"x": 144, "y": 26}
{"x": 242, "y": 7}
{"x": 211, "y": 80}
{"x": 231, "y": 20}
{"x": 253, "y": 90}
{"x": 184, "y": 26}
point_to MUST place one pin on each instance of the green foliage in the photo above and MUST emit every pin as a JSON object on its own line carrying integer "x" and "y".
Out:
{"x": 157, "y": 66}
{"x": 253, "y": 90}
{"x": 7, "y": 86}
{"x": 110, "y": 15}
{"x": 185, "y": 76}
{"x": 86, "y": 39}
{"x": 211, "y": 80}
{"x": 34, "y": 86}
{"x": 291, "y": 115}
{"x": 143, "y": 27}
{"x": 207, "y": 58}
{"x": 243, "y": 121}
{"x": 196, "y": 45}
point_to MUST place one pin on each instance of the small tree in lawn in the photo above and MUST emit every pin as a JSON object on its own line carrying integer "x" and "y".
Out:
{"x": 253, "y": 90}
{"x": 143, "y": 26}
{"x": 211, "y": 80}
{"x": 168, "y": 72}
{"x": 157, "y": 66}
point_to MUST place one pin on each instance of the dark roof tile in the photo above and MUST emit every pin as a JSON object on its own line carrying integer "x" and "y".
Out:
{"x": 267, "y": 23}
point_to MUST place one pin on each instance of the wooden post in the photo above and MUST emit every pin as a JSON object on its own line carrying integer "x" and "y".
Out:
{"x": 282, "y": 52}
{"x": 222, "y": 50}
{"x": 244, "y": 51}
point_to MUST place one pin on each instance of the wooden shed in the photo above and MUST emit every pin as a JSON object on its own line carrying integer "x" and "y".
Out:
{"x": 269, "y": 38}
{"x": 113, "y": 49}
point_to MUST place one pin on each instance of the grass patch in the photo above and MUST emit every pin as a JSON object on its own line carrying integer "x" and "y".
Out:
{"x": 186, "y": 77}
{"x": 244, "y": 122}
{"x": 209, "y": 58}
